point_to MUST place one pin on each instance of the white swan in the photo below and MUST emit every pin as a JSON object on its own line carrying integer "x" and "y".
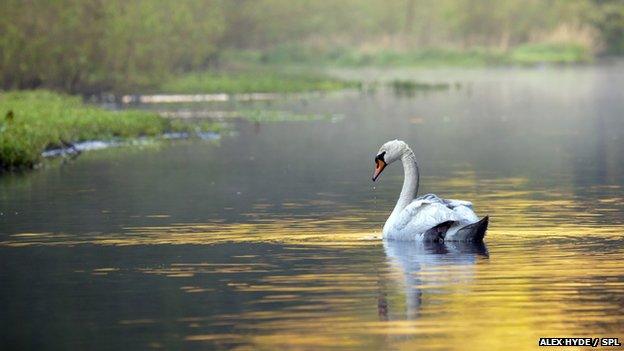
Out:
{"x": 426, "y": 218}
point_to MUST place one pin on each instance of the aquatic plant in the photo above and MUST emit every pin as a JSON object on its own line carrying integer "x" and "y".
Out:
{"x": 410, "y": 87}
{"x": 268, "y": 116}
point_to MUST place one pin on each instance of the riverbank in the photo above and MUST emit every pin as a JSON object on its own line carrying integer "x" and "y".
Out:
{"x": 297, "y": 68}
{"x": 522, "y": 55}
{"x": 254, "y": 79}
{"x": 34, "y": 121}
{"x": 294, "y": 68}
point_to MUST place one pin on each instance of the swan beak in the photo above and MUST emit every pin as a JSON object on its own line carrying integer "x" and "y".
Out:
{"x": 379, "y": 167}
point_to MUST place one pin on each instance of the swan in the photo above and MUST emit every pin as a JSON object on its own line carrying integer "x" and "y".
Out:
{"x": 429, "y": 217}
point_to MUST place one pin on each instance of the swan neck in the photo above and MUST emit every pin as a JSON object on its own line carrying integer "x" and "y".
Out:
{"x": 410, "y": 181}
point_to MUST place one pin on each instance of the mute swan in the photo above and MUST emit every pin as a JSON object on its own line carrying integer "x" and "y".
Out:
{"x": 426, "y": 218}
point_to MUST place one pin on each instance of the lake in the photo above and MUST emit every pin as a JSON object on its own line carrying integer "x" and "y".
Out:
{"x": 269, "y": 237}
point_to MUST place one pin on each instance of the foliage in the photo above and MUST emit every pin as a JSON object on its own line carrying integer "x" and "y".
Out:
{"x": 608, "y": 17}
{"x": 92, "y": 45}
{"x": 98, "y": 45}
{"x": 410, "y": 25}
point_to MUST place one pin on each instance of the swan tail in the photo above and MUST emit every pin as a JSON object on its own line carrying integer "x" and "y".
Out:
{"x": 474, "y": 232}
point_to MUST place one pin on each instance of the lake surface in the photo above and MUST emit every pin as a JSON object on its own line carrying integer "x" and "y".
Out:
{"x": 269, "y": 237}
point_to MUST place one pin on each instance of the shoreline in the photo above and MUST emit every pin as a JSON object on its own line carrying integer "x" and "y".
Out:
{"x": 33, "y": 122}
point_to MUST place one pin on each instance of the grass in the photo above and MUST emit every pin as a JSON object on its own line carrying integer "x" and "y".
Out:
{"x": 260, "y": 80}
{"x": 527, "y": 54}
{"x": 33, "y": 121}
{"x": 292, "y": 68}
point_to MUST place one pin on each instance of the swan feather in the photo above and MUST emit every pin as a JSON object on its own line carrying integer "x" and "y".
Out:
{"x": 426, "y": 212}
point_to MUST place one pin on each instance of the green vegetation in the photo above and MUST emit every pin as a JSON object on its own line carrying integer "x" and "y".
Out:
{"x": 261, "y": 73}
{"x": 607, "y": 16}
{"x": 522, "y": 55}
{"x": 549, "y": 53}
{"x": 128, "y": 46}
{"x": 409, "y": 88}
{"x": 32, "y": 121}
{"x": 350, "y": 56}
{"x": 92, "y": 46}
{"x": 248, "y": 81}
{"x": 193, "y": 126}
{"x": 244, "y": 46}
{"x": 269, "y": 116}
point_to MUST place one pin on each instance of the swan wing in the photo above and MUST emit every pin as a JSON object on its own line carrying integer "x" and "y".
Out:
{"x": 450, "y": 203}
{"x": 429, "y": 211}
{"x": 419, "y": 216}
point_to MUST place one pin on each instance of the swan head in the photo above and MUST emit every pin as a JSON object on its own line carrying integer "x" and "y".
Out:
{"x": 388, "y": 153}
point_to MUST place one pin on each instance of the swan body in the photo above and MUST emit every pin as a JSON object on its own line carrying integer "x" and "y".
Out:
{"x": 429, "y": 217}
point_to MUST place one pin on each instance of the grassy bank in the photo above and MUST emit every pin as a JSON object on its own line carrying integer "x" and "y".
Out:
{"x": 253, "y": 80}
{"x": 32, "y": 121}
{"x": 297, "y": 68}
{"x": 527, "y": 54}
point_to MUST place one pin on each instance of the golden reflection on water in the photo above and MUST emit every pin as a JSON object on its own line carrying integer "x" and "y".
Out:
{"x": 516, "y": 211}
{"x": 553, "y": 268}
{"x": 506, "y": 299}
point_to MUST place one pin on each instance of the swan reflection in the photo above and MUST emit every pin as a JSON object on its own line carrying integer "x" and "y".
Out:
{"x": 427, "y": 265}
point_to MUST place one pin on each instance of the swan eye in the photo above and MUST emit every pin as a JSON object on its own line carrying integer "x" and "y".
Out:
{"x": 380, "y": 157}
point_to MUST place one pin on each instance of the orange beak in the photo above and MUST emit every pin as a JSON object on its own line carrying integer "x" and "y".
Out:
{"x": 379, "y": 167}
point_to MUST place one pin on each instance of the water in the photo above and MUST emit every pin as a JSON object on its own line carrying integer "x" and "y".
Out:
{"x": 268, "y": 238}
